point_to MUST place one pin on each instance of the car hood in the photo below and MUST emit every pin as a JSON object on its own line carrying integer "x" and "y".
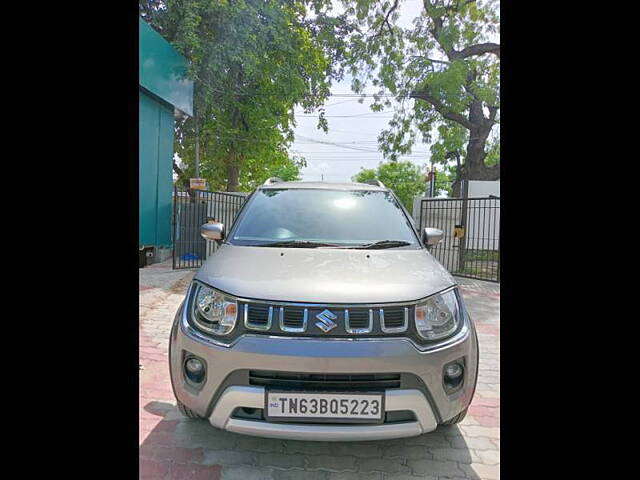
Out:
{"x": 320, "y": 275}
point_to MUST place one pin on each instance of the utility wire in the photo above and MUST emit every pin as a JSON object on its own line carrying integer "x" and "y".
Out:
{"x": 348, "y": 161}
{"x": 310, "y": 95}
{"x": 347, "y": 116}
{"x": 350, "y": 147}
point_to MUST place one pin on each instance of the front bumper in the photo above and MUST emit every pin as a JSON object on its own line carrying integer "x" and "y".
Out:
{"x": 221, "y": 393}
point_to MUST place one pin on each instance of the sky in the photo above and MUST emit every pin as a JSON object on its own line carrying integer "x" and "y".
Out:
{"x": 352, "y": 125}
{"x": 355, "y": 129}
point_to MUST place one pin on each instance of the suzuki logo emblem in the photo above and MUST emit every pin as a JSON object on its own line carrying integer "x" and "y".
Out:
{"x": 326, "y": 322}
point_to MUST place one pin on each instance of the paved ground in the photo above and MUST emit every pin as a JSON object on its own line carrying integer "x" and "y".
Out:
{"x": 173, "y": 447}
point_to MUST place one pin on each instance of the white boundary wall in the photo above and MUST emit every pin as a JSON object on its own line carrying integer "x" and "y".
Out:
{"x": 483, "y": 188}
{"x": 483, "y": 225}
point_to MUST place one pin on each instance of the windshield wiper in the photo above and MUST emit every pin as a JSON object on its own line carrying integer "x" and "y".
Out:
{"x": 383, "y": 244}
{"x": 297, "y": 243}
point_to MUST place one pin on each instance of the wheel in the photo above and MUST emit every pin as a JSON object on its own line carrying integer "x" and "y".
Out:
{"x": 187, "y": 412}
{"x": 457, "y": 419}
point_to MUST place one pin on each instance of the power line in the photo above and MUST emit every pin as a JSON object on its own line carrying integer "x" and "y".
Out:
{"x": 339, "y": 103}
{"x": 348, "y": 116}
{"x": 336, "y": 144}
{"x": 355, "y": 152}
{"x": 358, "y": 95}
{"x": 377, "y": 160}
{"x": 356, "y": 155}
{"x": 313, "y": 95}
{"x": 352, "y": 142}
{"x": 334, "y": 130}
{"x": 361, "y": 159}
{"x": 368, "y": 142}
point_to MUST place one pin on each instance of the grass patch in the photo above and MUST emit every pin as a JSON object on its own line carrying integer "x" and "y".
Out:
{"x": 481, "y": 255}
{"x": 479, "y": 272}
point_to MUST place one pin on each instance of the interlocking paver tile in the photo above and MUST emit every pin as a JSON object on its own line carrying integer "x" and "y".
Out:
{"x": 384, "y": 465}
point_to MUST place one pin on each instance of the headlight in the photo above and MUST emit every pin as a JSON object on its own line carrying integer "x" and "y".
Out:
{"x": 213, "y": 311}
{"x": 438, "y": 316}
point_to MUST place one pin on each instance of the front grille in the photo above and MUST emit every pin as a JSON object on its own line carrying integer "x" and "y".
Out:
{"x": 394, "y": 318}
{"x": 312, "y": 320}
{"x": 321, "y": 381}
{"x": 359, "y": 319}
{"x": 293, "y": 318}
{"x": 257, "y": 315}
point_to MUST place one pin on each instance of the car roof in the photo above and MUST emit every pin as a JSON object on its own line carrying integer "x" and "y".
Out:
{"x": 323, "y": 186}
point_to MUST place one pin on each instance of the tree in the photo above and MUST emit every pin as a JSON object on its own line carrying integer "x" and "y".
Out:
{"x": 448, "y": 64}
{"x": 404, "y": 178}
{"x": 446, "y": 177}
{"x": 256, "y": 172}
{"x": 253, "y": 174}
{"x": 252, "y": 61}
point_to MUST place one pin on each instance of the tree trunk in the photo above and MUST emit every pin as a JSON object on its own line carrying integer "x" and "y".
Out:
{"x": 234, "y": 158}
{"x": 474, "y": 168}
{"x": 182, "y": 179}
{"x": 233, "y": 172}
{"x": 455, "y": 188}
{"x": 455, "y": 185}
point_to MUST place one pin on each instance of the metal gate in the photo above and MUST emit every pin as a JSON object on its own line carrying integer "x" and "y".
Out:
{"x": 191, "y": 208}
{"x": 471, "y": 244}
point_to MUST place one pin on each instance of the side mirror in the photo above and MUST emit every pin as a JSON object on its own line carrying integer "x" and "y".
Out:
{"x": 432, "y": 236}
{"x": 212, "y": 231}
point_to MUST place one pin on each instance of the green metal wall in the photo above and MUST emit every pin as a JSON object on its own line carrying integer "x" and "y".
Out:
{"x": 156, "y": 164}
{"x": 163, "y": 88}
{"x": 163, "y": 70}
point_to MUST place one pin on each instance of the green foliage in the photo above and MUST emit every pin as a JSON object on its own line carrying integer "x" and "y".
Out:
{"x": 445, "y": 177}
{"x": 450, "y": 146}
{"x": 404, "y": 178}
{"x": 493, "y": 151}
{"x": 446, "y": 59}
{"x": 252, "y": 62}
{"x": 255, "y": 173}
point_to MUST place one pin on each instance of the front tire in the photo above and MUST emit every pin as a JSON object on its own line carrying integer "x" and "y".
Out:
{"x": 457, "y": 419}
{"x": 187, "y": 412}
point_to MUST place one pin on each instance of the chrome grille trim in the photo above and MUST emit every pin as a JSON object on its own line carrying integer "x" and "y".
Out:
{"x": 303, "y": 328}
{"x": 283, "y": 322}
{"x": 400, "y": 329}
{"x": 255, "y": 326}
{"x": 357, "y": 331}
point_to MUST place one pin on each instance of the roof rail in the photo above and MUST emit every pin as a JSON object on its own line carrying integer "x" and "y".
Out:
{"x": 272, "y": 180}
{"x": 377, "y": 183}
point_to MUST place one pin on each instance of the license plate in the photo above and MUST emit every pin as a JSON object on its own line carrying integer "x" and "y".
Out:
{"x": 324, "y": 407}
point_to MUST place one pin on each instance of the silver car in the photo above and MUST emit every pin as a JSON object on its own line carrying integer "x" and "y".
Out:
{"x": 323, "y": 316}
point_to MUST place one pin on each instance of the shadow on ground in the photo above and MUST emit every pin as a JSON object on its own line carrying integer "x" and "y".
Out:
{"x": 179, "y": 447}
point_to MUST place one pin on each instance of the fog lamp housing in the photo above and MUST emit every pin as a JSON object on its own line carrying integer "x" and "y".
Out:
{"x": 195, "y": 370}
{"x": 453, "y": 371}
{"x": 453, "y": 375}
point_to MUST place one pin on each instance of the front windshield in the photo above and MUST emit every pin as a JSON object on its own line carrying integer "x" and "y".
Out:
{"x": 332, "y": 217}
